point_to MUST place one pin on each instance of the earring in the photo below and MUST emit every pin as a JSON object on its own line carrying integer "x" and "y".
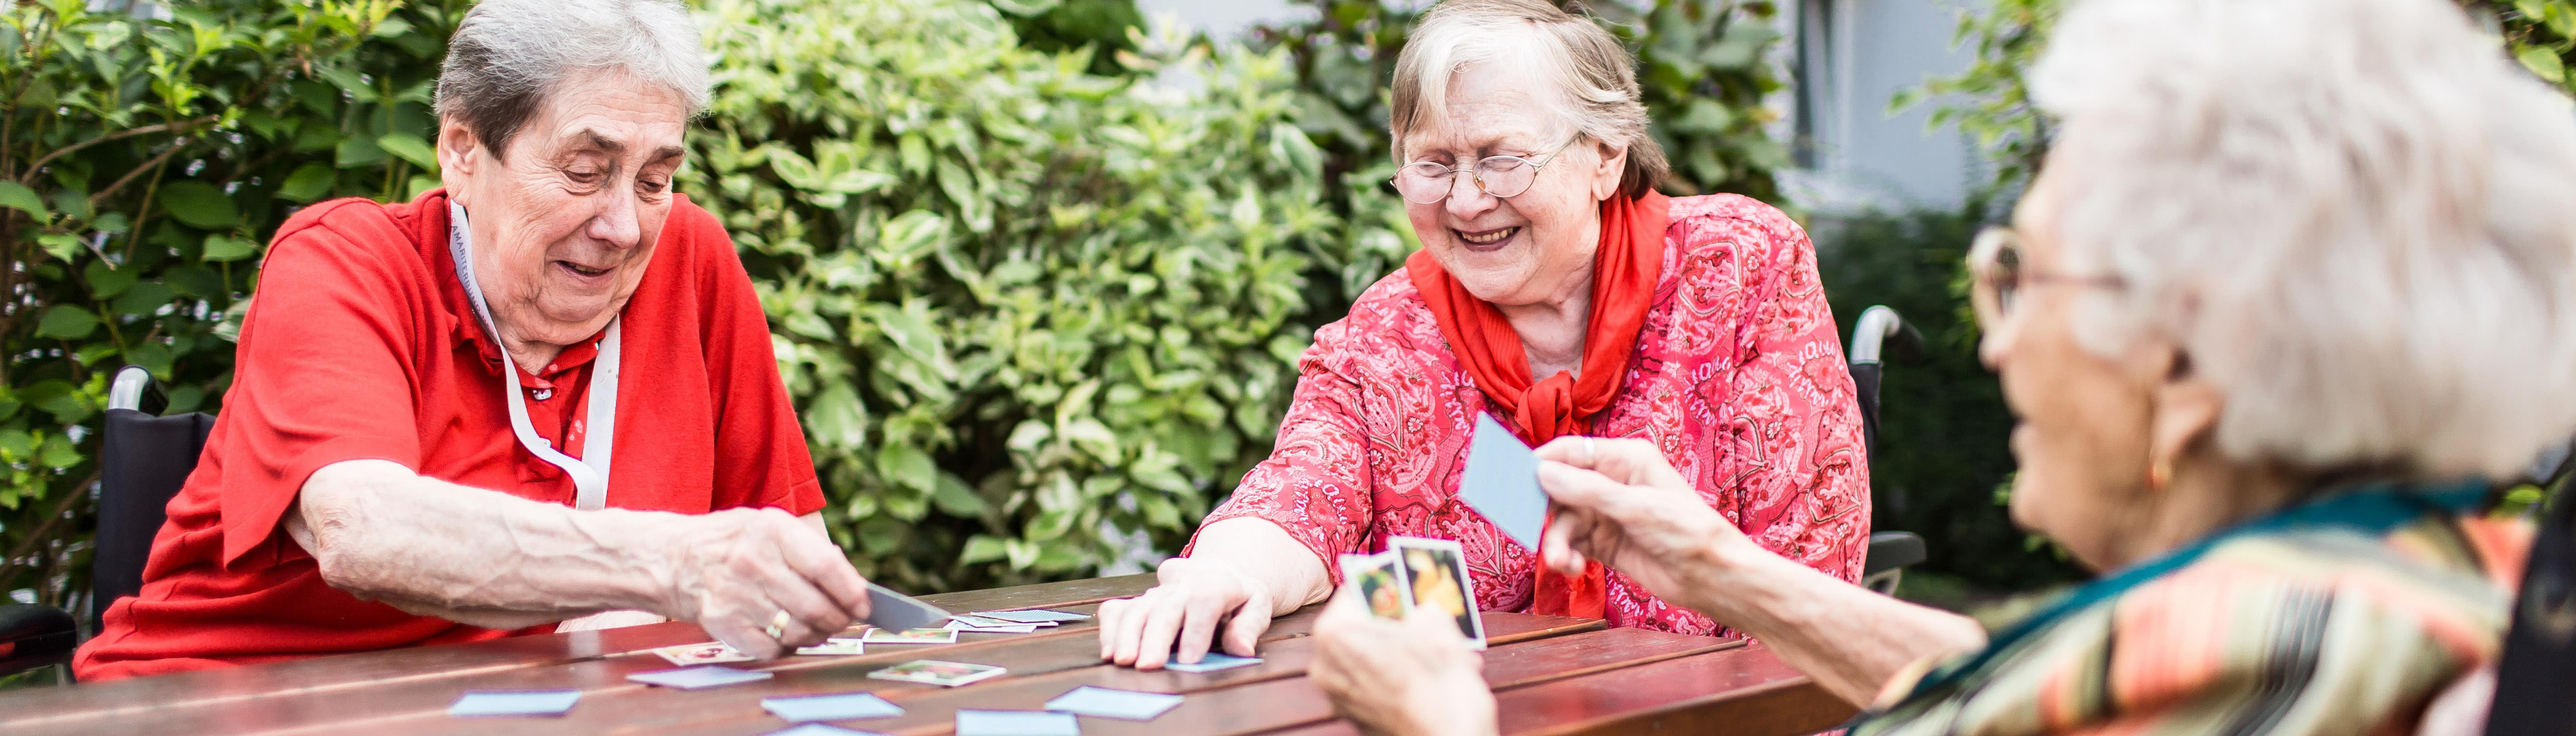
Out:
{"x": 2158, "y": 473}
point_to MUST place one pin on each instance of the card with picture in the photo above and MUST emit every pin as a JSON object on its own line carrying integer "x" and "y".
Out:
{"x": 1432, "y": 574}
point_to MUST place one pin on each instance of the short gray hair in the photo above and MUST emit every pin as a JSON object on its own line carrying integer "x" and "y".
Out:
{"x": 508, "y": 54}
{"x": 1593, "y": 76}
{"x": 2356, "y": 216}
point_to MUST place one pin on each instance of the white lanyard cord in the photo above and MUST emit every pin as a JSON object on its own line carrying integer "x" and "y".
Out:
{"x": 590, "y": 473}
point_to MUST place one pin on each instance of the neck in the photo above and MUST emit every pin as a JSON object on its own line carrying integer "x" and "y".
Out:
{"x": 530, "y": 355}
{"x": 2201, "y": 499}
{"x": 1552, "y": 329}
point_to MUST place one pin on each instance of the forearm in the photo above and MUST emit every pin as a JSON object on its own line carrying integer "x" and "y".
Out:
{"x": 1289, "y": 571}
{"x": 1849, "y": 638}
{"x": 478, "y": 556}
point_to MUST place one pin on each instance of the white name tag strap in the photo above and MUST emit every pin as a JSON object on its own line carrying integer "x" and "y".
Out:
{"x": 589, "y": 473}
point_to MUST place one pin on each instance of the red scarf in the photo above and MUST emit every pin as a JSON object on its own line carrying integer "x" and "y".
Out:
{"x": 1624, "y": 273}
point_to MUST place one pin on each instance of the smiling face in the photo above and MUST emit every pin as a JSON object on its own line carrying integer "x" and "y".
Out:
{"x": 1536, "y": 246}
{"x": 564, "y": 223}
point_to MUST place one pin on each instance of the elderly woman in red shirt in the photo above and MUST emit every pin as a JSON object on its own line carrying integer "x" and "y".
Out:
{"x": 417, "y": 444}
{"x": 1558, "y": 292}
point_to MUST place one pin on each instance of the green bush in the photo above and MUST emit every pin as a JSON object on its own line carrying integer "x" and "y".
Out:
{"x": 1027, "y": 311}
{"x": 143, "y": 164}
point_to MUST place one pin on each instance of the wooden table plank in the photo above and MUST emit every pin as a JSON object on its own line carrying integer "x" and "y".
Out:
{"x": 338, "y": 678}
{"x": 1751, "y": 693}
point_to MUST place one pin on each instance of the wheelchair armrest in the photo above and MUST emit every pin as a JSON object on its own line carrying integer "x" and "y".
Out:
{"x": 34, "y": 636}
{"x": 1892, "y": 550}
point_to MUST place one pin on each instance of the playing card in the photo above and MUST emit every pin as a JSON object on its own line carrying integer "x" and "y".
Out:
{"x": 514, "y": 703}
{"x": 1106, "y": 703}
{"x": 1016, "y": 723}
{"x": 838, "y": 645}
{"x": 894, "y": 611}
{"x": 817, "y": 729}
{"x": 702, "y": 676}
{"x": 963, "y": 627}
{"x": 935, "y": 672}
{"x": 1032, "y": 616}
{"x": 1373, "y": 577}
{"x": 1432, "y": 574}
{"x": 830, "y": 707}
{"x": 1212, "y": 662}
{"x": 1501, "y": 483}
{"x": 982, "y": 622}
{"x": 708, "y": 653}
{"x": 911, "y": 636}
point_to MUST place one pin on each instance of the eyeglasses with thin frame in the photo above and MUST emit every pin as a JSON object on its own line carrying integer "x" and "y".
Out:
{"x": 1429, "y": 182}
{"x": 2000, "y": 278}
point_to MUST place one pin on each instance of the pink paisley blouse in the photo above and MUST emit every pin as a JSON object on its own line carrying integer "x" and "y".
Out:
{"x": 1738, "y": 376}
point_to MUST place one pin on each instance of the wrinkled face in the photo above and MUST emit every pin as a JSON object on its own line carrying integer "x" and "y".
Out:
{"x": 564, "y": 224}
{"x": 2084, "y": 421}
{"x": 1536, "y": 246}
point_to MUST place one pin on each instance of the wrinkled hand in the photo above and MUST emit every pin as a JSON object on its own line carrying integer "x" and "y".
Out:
{"x": 1415, "y": 677}
{"x": 1192, "y": 598}
{"x": 736, "y": 569}
{"x": 1620, "y": 502}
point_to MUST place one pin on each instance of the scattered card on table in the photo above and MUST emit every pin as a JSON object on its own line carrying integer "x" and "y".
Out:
{"x": 830, "y": 707}
{"x": 1212, "y": 662}
{"x": 1373, "y": 576}
{"x": 1016, "y": 723}
{"x": 982, "y": 622}
{"x": 702, "y": 676}
{"x": 910, "y": 636}
{"x": 898, "y": 612}
{"x": 514, "y": 703}
{"x": 1106, "y": 703}
{"x": 817, "y": 729}
{"x": 1032, "y": 616}
{"x": 962, "y": 626}
{"x": 1501, "y": 482}
{"x": 935, "y": 672}
{"x": 838, "y": 645}
{"x": 708, "y": 653}
{"x": 1433, "y": 575}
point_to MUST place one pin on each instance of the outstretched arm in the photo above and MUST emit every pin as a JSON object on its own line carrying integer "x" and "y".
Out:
{"x": 486, "y": 558}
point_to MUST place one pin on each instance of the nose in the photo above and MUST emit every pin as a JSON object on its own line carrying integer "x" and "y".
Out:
{"x": 1467, "y": 199}
{"x": 1995, "y": 344}
{"x": 615, "y": 223}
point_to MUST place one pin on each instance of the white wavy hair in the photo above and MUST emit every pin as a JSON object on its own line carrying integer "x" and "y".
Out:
{"x": 2357, "y": 216}
{"x": 507, "y": 55}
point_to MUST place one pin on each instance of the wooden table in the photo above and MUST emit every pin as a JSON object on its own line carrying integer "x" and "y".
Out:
{"x": 1551, "y": 675}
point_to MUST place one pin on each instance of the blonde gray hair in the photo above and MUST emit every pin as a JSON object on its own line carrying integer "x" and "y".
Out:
{"x": 507, "y": 55}
{"x": 1593, "y": 79}
{"x": 2356, "y": 216}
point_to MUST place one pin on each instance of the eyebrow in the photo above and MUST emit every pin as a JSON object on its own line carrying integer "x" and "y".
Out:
{"x": 613, "y": 146}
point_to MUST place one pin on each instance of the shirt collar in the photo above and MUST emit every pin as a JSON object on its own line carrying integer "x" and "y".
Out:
{"x": 464, "y": 327}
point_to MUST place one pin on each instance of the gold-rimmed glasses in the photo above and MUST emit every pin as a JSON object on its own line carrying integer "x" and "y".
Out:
{"x": 1999, "y": 278}
{"x": 1429, "y": 182}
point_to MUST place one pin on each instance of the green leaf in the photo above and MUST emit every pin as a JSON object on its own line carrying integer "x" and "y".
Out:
{"x": 309, "y": 182}
{"x": 199, "y": 204}
{"x": 2543, "y": 61}
{"x": 62, "y": 246}
{"x": 357, "y": 152}
{"x": 220, "y": 248}
{"x": 17, "y": 196}
{"x": 906, "y": 465}
{"x": 66, "y": 322}
{"x": 410, "y": 148}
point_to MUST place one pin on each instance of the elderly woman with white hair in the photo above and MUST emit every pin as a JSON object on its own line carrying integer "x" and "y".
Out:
{"x": 2298, "y": 275}
{"x": 417, "y": 444}
{"x": 1559, "y": 293}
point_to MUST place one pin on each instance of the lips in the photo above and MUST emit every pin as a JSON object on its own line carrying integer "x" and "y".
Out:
{"x": 1486, "y": 240}
{"x": 585, "y": 273}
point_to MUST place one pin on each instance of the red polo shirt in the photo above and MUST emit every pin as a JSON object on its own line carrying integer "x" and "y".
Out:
{"x": 361, "y": 345}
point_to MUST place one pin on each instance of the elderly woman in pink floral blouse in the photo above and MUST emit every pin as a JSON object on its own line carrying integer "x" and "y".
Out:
{"x": 1559, "y": 293}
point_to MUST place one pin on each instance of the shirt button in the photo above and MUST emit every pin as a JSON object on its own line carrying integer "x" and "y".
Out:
{"x": 542, "y": 394}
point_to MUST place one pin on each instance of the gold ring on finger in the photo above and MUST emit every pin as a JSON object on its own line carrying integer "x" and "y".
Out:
{"x": 778, "y": 625}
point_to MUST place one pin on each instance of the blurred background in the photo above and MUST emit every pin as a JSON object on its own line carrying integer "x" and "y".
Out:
{"x": 1037, "y": 269}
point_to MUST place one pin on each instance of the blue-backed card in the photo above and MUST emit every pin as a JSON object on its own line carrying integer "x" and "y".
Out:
{"x": 1032, "y": 616}
{"x": 1501, "y": 482}
{"x": 704, "y": 676}
{"x": 1016, "y": 723}
{"x": 514, "y": 703}
{"x": 830, "y": 707}
{"x": 817, "y": 729}
{"x": 1107, "y": 703}
{"x": 1212, "y": 662}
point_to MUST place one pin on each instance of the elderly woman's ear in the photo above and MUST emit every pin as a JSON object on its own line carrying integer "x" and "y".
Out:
{"x": 456, "y": 160}
{"x": 2186, "y": 408}
{"x": 1610, "y": 170}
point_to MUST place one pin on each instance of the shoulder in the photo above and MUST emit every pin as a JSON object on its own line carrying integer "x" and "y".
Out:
{"x": 1732, "y": 221}
{"x": 352, "y": 242}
